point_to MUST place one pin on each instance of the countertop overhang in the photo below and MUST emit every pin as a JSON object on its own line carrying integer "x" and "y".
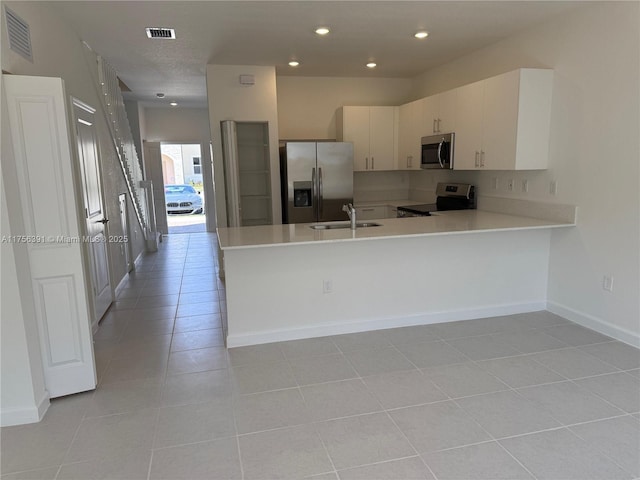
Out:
{"x": 443, "y": 223}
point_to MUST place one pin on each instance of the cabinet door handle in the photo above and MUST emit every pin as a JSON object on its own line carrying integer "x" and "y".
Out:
{"x": 434, "y": 126}
{"x": 373, "y": 165}
{"x": 366, "y": 159}
{"x": 439, "y": 120}
{"x": 409, "y": 158}
{"x": 477, "y": 159}
{"x": 368, "y": 209}
{"x": 481, "y": 158}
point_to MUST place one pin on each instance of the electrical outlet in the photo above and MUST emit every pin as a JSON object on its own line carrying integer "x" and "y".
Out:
{"x": 510, "y": 185}
{"x": 327, "y": 286}
{"x": 607, "y": 283}
{"x": 553, "y": 187}
{"x": 525, "y": 185}
{"x": 494, "y": 183}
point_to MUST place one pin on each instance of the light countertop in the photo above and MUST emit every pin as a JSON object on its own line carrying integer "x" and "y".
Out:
{"x": 392, "y": 203}
{"x": 443, "y": 223}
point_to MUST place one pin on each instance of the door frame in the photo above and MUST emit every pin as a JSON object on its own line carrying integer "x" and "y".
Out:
{"x": 208, "y": 191}
{"x": 126, "y": 231}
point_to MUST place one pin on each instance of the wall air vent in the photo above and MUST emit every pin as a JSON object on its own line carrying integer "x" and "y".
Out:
{"x": 18, "y": 33}
{"x": 161, "y": 32}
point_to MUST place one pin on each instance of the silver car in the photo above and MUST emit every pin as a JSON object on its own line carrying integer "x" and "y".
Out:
{"x": 182, "y": 199}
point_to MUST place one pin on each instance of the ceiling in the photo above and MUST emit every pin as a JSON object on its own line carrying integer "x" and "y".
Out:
{"x": 274, "y": 32}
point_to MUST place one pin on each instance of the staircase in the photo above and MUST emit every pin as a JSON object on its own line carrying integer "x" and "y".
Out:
{"x": 140, "y": 190}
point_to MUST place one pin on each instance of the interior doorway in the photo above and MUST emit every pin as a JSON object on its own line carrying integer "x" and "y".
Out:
{"x": 182, "y": 176}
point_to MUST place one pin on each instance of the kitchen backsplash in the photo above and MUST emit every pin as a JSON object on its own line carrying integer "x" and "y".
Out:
{"x": 420, "y": 185}
{"x": 373, "y": 186}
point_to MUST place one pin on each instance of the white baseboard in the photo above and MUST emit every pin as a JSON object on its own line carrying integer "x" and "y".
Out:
{"x": 121, "y": 285}
{"x": 597, "y": 324}
{"x": 137, "y": 260}
{"x": 23, "y": 415}
{"x": 323, "y": 330}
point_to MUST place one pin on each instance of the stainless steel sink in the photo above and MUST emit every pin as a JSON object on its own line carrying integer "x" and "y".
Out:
{"x": 331, "y": 226}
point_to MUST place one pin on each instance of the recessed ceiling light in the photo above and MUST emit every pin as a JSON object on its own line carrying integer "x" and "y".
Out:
{"x": 322, "y": 30}
{"x": 421, "y": 34}
{"x": 372, "y": 65}
{"x": 174, "y": 104}
{"x": 294, "y": 63}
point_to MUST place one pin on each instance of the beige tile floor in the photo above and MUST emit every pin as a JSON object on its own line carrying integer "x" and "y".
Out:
{"x": 516, "y": 397}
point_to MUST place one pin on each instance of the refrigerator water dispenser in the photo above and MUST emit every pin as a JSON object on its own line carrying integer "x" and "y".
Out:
{"x": 302, "y": 194}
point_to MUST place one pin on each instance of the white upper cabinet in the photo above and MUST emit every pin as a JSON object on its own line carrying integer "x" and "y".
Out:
{"x": 373, "y": 132}
{"x": 468, "y": 127}
{"x": 439, "y": 113}
{"x": 410, "y": 133}
{"x": 502, "y": 123}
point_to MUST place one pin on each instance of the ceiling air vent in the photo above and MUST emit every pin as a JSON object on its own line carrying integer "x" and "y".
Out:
{"x": 158, "y": 32}
{"x": 19, "y": 36}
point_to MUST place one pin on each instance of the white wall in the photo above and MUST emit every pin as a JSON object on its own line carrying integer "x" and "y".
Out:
{"x": 182, "y": 125}
{"x": 373, "y": 186}
{"x": 594, "y": 152}
{"x": 381, "y": 283}
{"x": 307, "y": 105}
{"x": 57, "y": 52}
{"x": 177, "y": 125}
{"x": 228, "y": 100}
{"x": 134, "y": 114}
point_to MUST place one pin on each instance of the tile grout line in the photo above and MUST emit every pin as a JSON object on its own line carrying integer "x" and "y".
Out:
{"x": 344, "y": 355}
{"x": 410, "y": 444}
{"x": 475, "y": 363}
{"x": 602, "y": 452}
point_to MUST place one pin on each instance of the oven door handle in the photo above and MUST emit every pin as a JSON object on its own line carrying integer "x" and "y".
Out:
{"x": 440, "y": 153}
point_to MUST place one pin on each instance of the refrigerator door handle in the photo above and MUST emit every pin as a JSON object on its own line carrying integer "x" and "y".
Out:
{"x": 314, "y": 194}
{"x": 320, "y": 194}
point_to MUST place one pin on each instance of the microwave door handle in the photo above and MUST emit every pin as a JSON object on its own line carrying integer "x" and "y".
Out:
{"x": 440, "y": 153}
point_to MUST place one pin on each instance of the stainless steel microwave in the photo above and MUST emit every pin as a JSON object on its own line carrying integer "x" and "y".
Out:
{"x": 437, "y": 151}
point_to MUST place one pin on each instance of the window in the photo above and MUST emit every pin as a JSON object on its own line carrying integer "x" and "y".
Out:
{"x": 197, "y": 168}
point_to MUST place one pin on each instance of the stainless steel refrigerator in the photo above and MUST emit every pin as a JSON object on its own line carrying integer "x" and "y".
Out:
{"x": 317, "y": 180}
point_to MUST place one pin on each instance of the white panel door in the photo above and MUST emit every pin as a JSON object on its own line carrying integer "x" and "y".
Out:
{"x": 95, "y": 215}
{"x": 44, "y": 163}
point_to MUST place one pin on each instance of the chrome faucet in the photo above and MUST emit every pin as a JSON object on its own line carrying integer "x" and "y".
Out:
{"x": 351, "y": 211}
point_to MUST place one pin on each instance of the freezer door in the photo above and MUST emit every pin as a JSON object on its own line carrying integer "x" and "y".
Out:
{"x": 301, "y": 182}
{"x": 335, "y": 179}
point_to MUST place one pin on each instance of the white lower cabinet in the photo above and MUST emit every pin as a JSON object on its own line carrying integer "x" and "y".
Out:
{"x": 371, "y": 212}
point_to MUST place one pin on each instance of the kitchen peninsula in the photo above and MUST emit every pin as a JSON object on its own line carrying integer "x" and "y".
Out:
{"x": 287, "y": 282}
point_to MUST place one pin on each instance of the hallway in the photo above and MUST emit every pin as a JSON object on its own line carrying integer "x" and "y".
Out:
{"x": 521, "y": 396}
